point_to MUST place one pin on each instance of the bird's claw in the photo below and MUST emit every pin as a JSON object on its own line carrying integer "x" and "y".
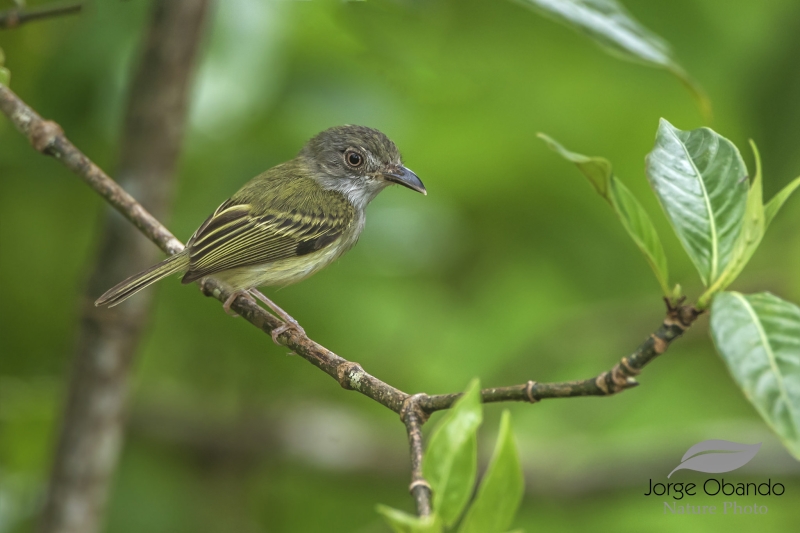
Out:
{"x": 286, "y": 326}
{"x": 229, "y": 301}
{"x": 288, "y": 321}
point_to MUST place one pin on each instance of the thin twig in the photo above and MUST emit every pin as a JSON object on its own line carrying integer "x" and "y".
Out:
{"x": 621, "y": 377}
{"x": 48, "y": 138}
{"x": 14, "y": 17}
{"x": 413, "y": 417}
{"x": 349, "y": 375}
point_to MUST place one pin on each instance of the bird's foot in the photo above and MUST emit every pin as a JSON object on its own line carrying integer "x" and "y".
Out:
{"x": 285, "y": 327}
{"x": 227, "y": 305}
{"x": 290, "y": 323}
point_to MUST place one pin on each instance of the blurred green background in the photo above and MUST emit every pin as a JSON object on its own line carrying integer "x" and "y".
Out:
{"x": 510, "y": 269}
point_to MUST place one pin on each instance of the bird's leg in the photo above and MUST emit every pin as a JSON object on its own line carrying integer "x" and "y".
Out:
{"x": 235, "y": 294}
{"x": 290, "y": 323}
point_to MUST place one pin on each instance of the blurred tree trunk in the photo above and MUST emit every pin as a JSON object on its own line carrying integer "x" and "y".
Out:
{"x": 92, "y": 423}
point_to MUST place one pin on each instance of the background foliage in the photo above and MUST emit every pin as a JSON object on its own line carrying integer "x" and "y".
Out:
{"x": 510, "y": 269}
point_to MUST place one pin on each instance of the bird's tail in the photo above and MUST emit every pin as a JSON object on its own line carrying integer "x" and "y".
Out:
{"x": 125, "y": 289}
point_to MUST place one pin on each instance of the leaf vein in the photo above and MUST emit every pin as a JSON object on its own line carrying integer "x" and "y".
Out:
{"x": 768, "y": 349}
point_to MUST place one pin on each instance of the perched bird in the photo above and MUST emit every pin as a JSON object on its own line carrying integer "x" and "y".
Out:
{"x": 287, "y": 223}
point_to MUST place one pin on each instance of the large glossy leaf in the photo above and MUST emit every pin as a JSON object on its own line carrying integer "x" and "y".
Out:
{"x": 610, "y": 25}
{"x": 630, "y": 212}
{"x": 402, "y": 522}
{"x": 758, "y": 336}
{"x": 501, "y": 489}
{"x": 774, "y": 205}
{"x": 450, "y": 462}
{"x": 750, "y": 235}
{"x": 701, "y": 181}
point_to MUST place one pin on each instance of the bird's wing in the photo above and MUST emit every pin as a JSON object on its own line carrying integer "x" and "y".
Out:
{"x": 239, "y": 234}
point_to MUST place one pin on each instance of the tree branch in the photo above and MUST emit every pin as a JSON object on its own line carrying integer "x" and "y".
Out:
{"x": 14, "y": 17}
{"x": 621, "y": 377}
{"x": 349, "y": 375}
{"x": 48, "y": 138}
{"x": 414, "y": 410}
{"x": 413, "y": 417}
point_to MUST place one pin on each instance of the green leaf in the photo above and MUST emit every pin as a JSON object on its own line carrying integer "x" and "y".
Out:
{"x": 758, "y": 336}
{"x": 639, "y": 226}
{"x": 750, "y": 235}
{"x": 630, "y": 212}
{"x": 501, "y": 489}
{"x": 450, "y": 462}
{"x": 455, "y": 492}
{"x": 774, "y": 205}
{"x": 701, "y": 182}
{"x": 597, "y": 169}
{"x": 609, "y": 24}
{"x": 402, "y": 522}
{"x": 5, "y": 74}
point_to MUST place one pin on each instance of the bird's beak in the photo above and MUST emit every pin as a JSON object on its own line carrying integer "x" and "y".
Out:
{"x": 403, "y": 176}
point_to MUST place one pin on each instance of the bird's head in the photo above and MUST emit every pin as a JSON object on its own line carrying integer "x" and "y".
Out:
{"x": 357, "y": 161}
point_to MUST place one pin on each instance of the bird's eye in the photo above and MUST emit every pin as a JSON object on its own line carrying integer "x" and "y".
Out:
{"x": 353, "y": 158}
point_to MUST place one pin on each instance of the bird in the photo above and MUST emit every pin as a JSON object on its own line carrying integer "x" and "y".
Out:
{"x": 288, "y": 222}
